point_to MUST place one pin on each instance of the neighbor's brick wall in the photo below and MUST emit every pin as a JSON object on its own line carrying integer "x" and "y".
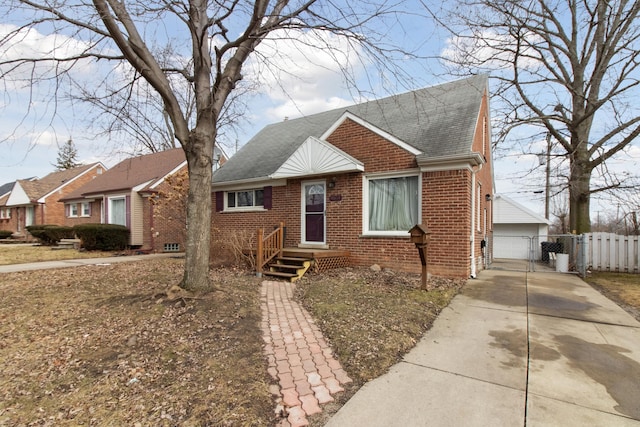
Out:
{"x": 94, "y": 218}
{"x": 162, "y": 223}
{"x": 53, "y": 211}
{"x": 10, "y": 224}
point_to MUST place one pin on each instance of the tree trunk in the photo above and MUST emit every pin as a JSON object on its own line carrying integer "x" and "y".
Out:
{"x": 199, "y": 154}
{"x": 579, "y": 194}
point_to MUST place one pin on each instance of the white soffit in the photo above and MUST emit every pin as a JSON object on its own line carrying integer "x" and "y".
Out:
{"x": 316, "y": 157}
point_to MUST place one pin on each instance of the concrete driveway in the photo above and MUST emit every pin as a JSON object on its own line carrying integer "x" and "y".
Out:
{"x": 514, "y": 348}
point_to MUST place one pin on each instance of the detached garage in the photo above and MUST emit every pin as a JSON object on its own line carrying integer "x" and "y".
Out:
{"x": 517, "y": 230}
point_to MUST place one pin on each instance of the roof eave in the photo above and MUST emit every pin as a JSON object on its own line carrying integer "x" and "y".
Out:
{"x": 450, "y": 162}
{"x": 243, "y": 184}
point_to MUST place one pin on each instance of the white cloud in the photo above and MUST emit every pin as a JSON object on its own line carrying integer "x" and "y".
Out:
{"x": 30, "y": 73}
{"x": 303, "y": 72}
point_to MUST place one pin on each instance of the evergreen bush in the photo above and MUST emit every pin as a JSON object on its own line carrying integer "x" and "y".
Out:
{"x": 49, "y": 234}
{"x": 102, "y": 237}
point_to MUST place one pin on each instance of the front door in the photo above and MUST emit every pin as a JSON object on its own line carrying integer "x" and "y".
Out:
{"x": 313, "y": 211}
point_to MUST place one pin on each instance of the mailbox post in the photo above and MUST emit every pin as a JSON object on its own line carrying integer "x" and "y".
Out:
{"x": 420, "y": 236}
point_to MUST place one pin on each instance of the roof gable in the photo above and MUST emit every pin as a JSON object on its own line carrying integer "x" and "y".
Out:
{"x": 372, "y": 128}
{"x": 37, "y": 190}
{"x": 18, "y": 195}
{"x": 508, "y": 211}
{"x": 315, "y": 157}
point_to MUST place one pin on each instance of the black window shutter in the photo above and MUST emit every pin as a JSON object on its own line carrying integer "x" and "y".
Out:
{"x": 219, "y": 201}
{"x": 266, "y": 197}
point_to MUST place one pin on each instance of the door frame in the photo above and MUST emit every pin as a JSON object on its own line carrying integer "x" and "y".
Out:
{"x": 303, "y": 221}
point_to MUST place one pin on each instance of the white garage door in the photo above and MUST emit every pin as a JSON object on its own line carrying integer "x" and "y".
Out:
{"x": 512, "y": 240}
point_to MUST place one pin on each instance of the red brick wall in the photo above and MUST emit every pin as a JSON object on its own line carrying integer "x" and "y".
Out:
{"x": 446, "y": 208}
{"x": 160, "y": 229}
{"x": 94, "y": 218}
{"x": 163, "y": 220}
{"x": 53, "y": 211}
{"x": 11, "y": 224}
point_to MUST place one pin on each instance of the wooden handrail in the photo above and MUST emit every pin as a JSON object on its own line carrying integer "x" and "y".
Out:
{"x": 269, "y": 247}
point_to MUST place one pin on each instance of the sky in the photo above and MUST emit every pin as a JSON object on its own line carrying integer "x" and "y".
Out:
{"x": 310, "y": 81}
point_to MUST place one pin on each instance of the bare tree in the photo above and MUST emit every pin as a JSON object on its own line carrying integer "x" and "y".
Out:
{"x": 145, "y": 41}
{"x": 567, "y": 67}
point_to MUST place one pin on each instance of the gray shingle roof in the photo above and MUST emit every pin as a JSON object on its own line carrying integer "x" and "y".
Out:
{"x": 438, "y": 120}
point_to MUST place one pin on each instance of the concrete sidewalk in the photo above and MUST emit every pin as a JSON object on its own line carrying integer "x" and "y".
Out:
{"x": 43, "y": 265}
{"x": 515, "y": 348}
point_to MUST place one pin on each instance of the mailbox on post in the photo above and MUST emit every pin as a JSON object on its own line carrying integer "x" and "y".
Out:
{"x": 420, "y": 236}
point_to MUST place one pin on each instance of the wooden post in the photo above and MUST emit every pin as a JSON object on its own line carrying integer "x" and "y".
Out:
{"x": 422, "y": 250}
{"x": 259, "y": 252}
{"x": 280, "y": 238}
{"x": 420, "y": 236}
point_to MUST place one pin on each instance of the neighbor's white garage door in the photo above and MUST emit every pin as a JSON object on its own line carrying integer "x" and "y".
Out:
{"x": 512, "y": 240}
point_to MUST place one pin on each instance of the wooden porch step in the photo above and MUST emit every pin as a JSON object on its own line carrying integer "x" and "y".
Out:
{"x": 287, "y": 266}
{"x": 292, "y": 259}
{"x": 281, "y": 274}
{"x": 291, "y": 268}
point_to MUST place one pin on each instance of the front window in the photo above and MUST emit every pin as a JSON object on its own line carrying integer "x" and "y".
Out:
{"x": 5, "y": 213}
{"x": 30, "y": 214}
{"x": 245, "y": 199}
{"x": 117, "y": 211}
{"x": 73, "y": 210}
{"x": 393, "y": 204}
{"x": 86, "y": 209}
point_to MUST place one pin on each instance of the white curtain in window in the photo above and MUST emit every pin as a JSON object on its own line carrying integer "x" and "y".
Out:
{"x": 117, "y": 212}
{"x": 393, "y": 204}
{"x": 30, "y": 215}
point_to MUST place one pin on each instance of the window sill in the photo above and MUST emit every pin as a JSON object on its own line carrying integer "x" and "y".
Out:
{"x": 247, "y": 209}
{"x": 404, "y": 235}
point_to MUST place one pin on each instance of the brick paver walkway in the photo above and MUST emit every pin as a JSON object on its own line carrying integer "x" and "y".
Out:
{"x": 299, "y": 357}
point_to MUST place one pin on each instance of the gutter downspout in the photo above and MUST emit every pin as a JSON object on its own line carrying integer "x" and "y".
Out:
{"x": 473, "y": 220}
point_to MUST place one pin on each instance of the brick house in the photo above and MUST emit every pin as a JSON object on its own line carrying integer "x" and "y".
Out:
{"x": 129, "y": 194}
{"x": 358, "y": 178}
{"x": 35, "y": 201}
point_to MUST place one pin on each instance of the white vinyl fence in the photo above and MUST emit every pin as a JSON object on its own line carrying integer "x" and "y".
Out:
{"x": 612, "y": 252}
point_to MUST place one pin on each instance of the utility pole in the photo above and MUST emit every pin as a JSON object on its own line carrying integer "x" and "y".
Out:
{"x": 545, "y": 158}
{"x": 548, "y": 176}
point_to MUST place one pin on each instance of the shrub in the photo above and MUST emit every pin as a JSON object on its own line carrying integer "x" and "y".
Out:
{"x": 102, "y": 237}
{"x": 5, "y": 234}
{"x": 50, "y": 235}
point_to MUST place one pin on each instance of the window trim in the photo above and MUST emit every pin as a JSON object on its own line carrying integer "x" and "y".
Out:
{"x": 253, "y": 208}
{"x": 365, "y": 203}
{"x": 110, "y": 209}
{"x": 82, "y": 206}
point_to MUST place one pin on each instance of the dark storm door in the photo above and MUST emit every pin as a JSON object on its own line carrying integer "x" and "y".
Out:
{"x": 313, "y": 201}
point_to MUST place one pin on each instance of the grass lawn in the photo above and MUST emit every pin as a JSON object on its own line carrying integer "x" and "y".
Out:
{"x": 106, "y": 345}
{"x": 622, "y": 288}
{"x": 19, "y": 254}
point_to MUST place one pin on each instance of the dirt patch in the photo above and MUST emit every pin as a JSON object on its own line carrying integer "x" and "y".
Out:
{"x": 621, "y": 288}
{"x": 20, "y": 254}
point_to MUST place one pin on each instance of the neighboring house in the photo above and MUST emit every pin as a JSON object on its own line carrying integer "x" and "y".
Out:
{"x": 35, "y": 201}
{"x": 517, "y": 230}
{"x": 127, "y": 193}
{"x": 358, "y": 178}
{"x": 5, "y": 212}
